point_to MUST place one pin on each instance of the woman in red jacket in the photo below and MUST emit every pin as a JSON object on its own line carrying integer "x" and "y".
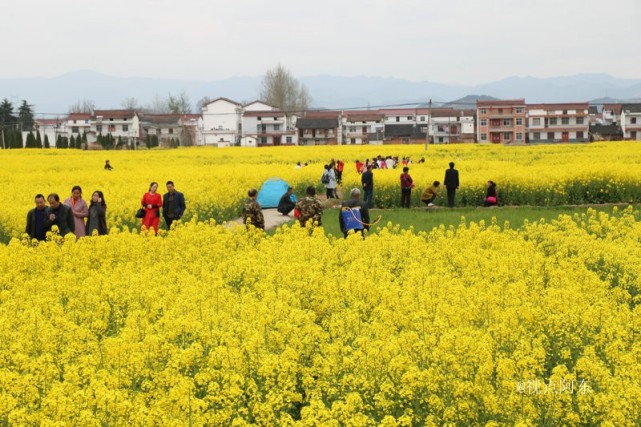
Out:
{"x": 151, "y": 202}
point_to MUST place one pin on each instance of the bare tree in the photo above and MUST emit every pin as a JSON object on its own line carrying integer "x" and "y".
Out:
{"x": 178, "y": 104}
{"x": 84, "y": 106}
{"x": 281, "y": 89}
{"x": 130, "y": 104}
{"x": 202, "y": 102}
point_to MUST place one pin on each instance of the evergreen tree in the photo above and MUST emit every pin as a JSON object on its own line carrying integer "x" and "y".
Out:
{"x": 25, "y": 116}
{"x": 154, "y": 141}
{"x": 84, "y": 144}
{"x": 46, "y": 143}
{"x": 17, "y": 139}
{"x": 148, "y": 141}
{"x": 31, "y": 141}
{"x": 38, "y": 140}
{"x": 7, "y": 118}
{"x": 72, "y": 142}
{"x": 59, "y": 142}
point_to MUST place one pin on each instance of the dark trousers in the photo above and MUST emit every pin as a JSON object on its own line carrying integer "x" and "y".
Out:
{"x": 368, "y": 197}
{"x": 451, "y": 193}
{"x": 169, "y": 221}
{"x": 406, "y": 197}
{"x": 430, "y": 200}
{"x": 331, "y": 193}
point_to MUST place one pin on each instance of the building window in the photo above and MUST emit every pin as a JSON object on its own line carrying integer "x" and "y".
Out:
{"x": 483, "y": 122}
{"x": 352, "y": 128}
{"x": 98, "y": 128}
{"x": 482, "y": 111}
{"x": 259, "y": 119}
{"x": 579, "y": 120}
{"x": 112, "y": 128}
{"x": 171, "y": 131}
{"x": 422, "y": 118}
{"x": 288, "y": 139}
{"x": 519, "y": 122}
{"x": 551, "y": 136}
{"x": 519, "y": 136}
{"x": 398, "y": 119}
{"x": 565, "y": 120}
{"x": 507, "y": 136}
{"x": 633, "y": 134}
{"x": 633, "y": 120}
{"x": 125, "y": 128}
{"x": 74, "y": 122}
{"x": 519, "y": 110}
{"x": 275, "y": 118}
{"x": 507, "y": 122}
{"x": 579, "y": 135}
{"x": 75, "y": 129}
{"x": 410, "y": 117}
{"x": 483, "y": 137}
{"x": 263, "y": 140}
{"x": 276, "y": 127}
{"x": 536, "y": 121}
{"x": 352, "y": 141}
{"x": 553, "y": 121}
{"x": 536, "y": 135}
{"x": 125, "y": 119}
{"x": 500, "y": 111}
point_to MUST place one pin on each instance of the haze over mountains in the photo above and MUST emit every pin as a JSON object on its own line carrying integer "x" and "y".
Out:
{"x": 55, "y": 95}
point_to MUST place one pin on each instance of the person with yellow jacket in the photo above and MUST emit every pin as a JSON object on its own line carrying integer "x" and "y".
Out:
{"x": 430, "y": 194}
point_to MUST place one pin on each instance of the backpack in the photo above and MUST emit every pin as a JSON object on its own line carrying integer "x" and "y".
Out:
{"x": 325, "y": 178}
{"x": 352, "y": 219}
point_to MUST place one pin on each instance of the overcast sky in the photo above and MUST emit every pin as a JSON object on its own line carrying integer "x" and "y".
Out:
{"x": 447, "y": 41}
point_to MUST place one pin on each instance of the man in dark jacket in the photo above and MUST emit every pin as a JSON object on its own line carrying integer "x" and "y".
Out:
{"x": 353, "y": 214}
{"x": 451, "y": 184}
{"x": 38, "y": 219}
{"x": 367, "y": 180}
{"x": 286, "y": 205}
{"x": 173, "y": 205}
{"x": 61, "y": 215}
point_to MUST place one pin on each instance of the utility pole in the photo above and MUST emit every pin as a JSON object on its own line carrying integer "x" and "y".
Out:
{"x": 429, "y": 123}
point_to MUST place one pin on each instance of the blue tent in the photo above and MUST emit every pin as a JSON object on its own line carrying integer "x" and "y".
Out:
{"x": 271, "y": 192}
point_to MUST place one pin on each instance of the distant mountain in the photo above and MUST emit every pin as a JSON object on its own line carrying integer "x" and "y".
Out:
{"x": 608, "y": 100}
{"x": 55, "y": 95}
{"x": 468, "y": 102}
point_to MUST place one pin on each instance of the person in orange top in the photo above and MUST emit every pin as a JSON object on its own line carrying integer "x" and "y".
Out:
{"x": 151, "y": 202}
{"x": 79, "y": 209}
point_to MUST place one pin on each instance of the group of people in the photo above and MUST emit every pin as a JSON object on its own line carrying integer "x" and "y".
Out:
{"x": 75, "y": 216}
{"x": 71, "y": 216}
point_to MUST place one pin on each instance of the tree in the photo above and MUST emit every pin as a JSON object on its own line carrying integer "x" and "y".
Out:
{"x": 72, "y": 142}
{"x": 178, "y": 104}
{"x": 130, "y": 103}
{"x": 84, "y": 106}
{"x": 203, "y": 101}
{"x": 185, "y": 136}
{"x": 17, "y": 139}
{"x": 7, "y": 118}
{"x": 59, "y": 142}
{"x": 281, "y": 89}
{"x": 31, "y": 141}
{"x": 25, "y": 116}
{"x": 38, "y": 140}
{"x": 46, "y": 143}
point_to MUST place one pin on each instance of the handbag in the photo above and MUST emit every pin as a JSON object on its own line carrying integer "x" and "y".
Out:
{"x": 140, "y": 213}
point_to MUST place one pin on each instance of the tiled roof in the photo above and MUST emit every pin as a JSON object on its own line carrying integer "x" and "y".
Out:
{"x": 615, "y": 108}
{"x": 605, "y": 130}
{"x": 364, "y": 117}
{"x": 307, "y": 123}
{"x": 631, "y": 108}
{"x": 404, "y": 130}
{"x": 264, "y": 113}
{"x": 114, "y": 114}
{"x": 500, "y": 102}
{"x": 566, "y": 106}
{"x": 222, "y": 98}
{"x": 79, "y": 116}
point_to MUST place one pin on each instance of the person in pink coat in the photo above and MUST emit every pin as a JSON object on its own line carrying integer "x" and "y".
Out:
{"x": 151, "y": 202}
{"x": 79, "y": 209}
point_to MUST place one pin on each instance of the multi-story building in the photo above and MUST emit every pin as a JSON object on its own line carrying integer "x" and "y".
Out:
{"x": 222, "y": 125}
{"x": 631, "y": 121}
{"x": 612, "y": 114}
{"x": 120, "y": 124}
{"x": 363, "y": 127}
{"x": 77, "y": 124}
{"x": 267, "y": 128}
{"x": 448, "y": 125}
{"x": 501, "y": 121}
{"x": 180, "y": 129}
{"x": 558, "y": 122}
{"x": 319, "y": 128}
{"x": 405, "y": 125}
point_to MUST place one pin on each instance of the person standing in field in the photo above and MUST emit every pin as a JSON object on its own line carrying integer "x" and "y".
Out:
{"x": 406, "y": 188}
{"x": 38, "y": 221}
{"x": 252, "y": 211}
{"x": 329, "y": 180}
{"x": 97, "y": 219}
{"x": 151, "y": 203}
{"x": 61, "y": 215}
{"x": 309, "y": 208}
{"x": 79, "y": 210}
{"x": 490, "y": 196}
{"x": 430, "y": 194}
{"x": 339, "y": 171}
{"x": 173, "y": 205}
{"x": 367, "y": 181}
{"x": 451, "y": 184}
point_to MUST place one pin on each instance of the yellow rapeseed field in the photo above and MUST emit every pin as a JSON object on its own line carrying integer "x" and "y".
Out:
{"x": 208, "y": 325}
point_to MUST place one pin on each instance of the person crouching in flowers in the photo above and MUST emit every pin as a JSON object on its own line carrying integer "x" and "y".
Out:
{"x": 151, "y": 202}
{"x": 490, "y": 195}
{"x": 97, "y": 219}
{"x": 79, "y": 210}
{"x": 252, "y": 212}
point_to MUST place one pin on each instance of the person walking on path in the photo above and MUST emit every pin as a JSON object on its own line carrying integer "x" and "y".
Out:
{"x": 451, "y": 184}
{"x": 406, "y": 188}
{"x": 97, "y": 219}
{"x": 79, "y": 210}
{"x": 252, "y": 211}
{"x": 151, "y": 202}
{"x": 173, "y": 205}
{"x": 367, "y": 181}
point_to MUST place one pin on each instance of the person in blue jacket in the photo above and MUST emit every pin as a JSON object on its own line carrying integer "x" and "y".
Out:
{"x": 173, "y": 205}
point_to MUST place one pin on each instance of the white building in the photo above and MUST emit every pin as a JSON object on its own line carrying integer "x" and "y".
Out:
{"x": 222, "y": 124}
{"x": 363, "y": 127}
{"x": 266, "y": 128}
{"x": 631, "y": 121}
